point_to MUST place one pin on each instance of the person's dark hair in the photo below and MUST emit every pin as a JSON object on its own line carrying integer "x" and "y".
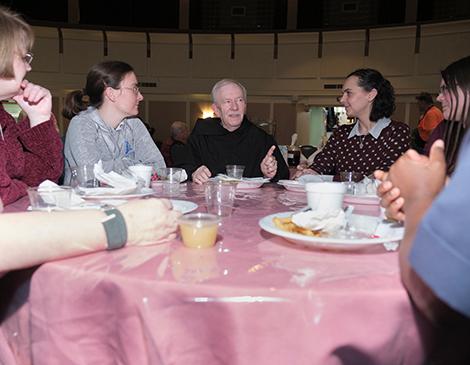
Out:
{"x": 384, "y": 103}
{"x": 101, "y": 75}
{"x": 426, "y": 97}
{"x": 456, "y": 74}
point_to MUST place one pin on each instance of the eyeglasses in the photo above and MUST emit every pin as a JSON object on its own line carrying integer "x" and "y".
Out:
{"x": 442, "y": 90}
{"x": 134, "y": 89}
{"x": 28, "y": 57}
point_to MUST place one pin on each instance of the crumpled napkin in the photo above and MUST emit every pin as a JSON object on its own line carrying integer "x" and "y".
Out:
{"x": 117, "y": 184}
{"x": 367, "y": 186}
{"x": 320, "y": 220}
{"x": 76, "y": 202}
{"x": 179, "y": 175}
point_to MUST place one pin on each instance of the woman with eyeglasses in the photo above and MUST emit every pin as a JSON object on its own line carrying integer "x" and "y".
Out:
{"x": 30, "y": 150}
{"x": 435, "y": 254}
{"x": 103, "y": 124}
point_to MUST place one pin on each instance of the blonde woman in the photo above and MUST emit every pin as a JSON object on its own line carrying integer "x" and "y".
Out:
{"x": 30, "y": 150}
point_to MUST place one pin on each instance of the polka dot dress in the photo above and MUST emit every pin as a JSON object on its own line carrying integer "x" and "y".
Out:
{"x": 362, "y": 153}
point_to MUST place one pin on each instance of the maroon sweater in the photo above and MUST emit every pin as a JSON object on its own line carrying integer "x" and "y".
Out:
{"x": 28, "y": 156}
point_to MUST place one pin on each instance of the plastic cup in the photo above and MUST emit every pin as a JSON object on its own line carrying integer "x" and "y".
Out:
{"x": 219, "y": 197}
{"x": 199, "y": 230}
{"x": 350, "y": 179}
{"x": 144, "y": 172}
{"x": 293, "y": 155}
{"x": 84, "y": 176}
{"x": 235, "y": 171}
{"x": 325, "y": 195}
{"x": 50, "y": 198}
{"x": 171, "y": 177}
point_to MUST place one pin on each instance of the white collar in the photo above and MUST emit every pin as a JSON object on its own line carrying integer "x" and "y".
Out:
{"x": 381, "y": 124}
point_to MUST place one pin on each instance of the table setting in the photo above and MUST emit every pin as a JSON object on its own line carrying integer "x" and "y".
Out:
{"x": 254, "y": 288}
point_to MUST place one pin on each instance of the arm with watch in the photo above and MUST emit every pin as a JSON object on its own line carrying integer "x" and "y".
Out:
{"x": 32, "y": 238}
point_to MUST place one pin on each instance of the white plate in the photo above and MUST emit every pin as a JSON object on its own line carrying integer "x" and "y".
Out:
{"x": 183, "y": 206}
{"x": 112, "y": 197}
{"x": 362, "y": 199}
{"x": 389, "y": 234}
{"x": 245, "y": 183}
{"x": 250, "y": 184}
{"x": 293, "y": 185}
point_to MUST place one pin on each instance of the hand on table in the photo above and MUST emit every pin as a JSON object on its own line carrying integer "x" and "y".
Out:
{"x": 36, "y": 102}
{"x": 303, "y": 171}
{"x": 269, "y": 164}
{"x": 149, "y": 221}
{"x": 412, "y": 177}
{"x": 201, "y": 175}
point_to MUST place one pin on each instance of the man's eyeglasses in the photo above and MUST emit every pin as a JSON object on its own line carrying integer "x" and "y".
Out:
{"x": 28, "y": 58}
{"x": 442, "y": 90}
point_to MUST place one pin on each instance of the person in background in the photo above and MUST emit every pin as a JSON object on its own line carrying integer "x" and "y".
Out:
{"x": 231, "y": 139}
{"x": 103, "y": 126}
{"x": 429, "y": 120}
{"x": 173, "y": 148}
{"x": 30, "y": 150}
{"x": 374, "y": 141}
{"x": 435, "y": 251}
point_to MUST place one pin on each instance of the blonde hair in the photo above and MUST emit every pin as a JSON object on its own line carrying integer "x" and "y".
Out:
{"x": 14, "y": 32}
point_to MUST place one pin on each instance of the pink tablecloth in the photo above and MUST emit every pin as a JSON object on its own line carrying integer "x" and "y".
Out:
{"x": 252, "y": 299}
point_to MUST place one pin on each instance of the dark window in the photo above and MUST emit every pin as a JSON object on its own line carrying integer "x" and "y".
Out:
{"x": 40, "y": 9}
{"x": 309, "y": 14}
{"x": 128, "y": 13}
{"x": 392, "y": 11}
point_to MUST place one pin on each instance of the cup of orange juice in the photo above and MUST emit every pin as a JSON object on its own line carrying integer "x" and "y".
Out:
{"x": 199, "y": 230}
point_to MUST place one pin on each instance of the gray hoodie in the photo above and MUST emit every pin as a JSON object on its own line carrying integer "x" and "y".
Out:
{"x": 90, "y": 139}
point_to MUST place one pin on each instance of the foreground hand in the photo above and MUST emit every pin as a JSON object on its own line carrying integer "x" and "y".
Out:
{"x": 418, "y": 177}
{"x": 391, "y": 199}
{"x": 201, "y": 175}
{"x": 149, "y": 221}
{"x": 303, "y": 171}
{"x": 36, "y": 102}
{"x": 269, "y": 164}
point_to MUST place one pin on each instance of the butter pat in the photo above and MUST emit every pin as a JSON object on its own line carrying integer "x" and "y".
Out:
{"x": 320, "y": 220}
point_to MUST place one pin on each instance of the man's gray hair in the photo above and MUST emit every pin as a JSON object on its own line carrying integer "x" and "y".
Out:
{"x": 222, "y": 83}
{"x": 177, "y": 128}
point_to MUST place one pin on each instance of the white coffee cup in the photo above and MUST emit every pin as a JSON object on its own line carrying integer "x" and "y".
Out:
{"x": 145, "y": 172}
{"x": 325, "y": 195}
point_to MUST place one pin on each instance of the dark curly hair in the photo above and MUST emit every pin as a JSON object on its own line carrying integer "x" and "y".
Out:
{"x": 384, "y": 103}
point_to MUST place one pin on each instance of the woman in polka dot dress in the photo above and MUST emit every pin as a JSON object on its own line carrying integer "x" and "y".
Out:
{"x": 373, "y": 143}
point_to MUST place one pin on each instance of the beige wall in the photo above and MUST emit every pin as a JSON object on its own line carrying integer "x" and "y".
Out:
{"x": 305, "y": 62}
